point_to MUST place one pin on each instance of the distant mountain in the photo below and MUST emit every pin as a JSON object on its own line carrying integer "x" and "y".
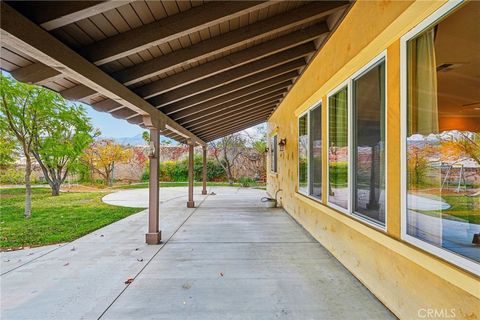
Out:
{"x": 136, "y": 140}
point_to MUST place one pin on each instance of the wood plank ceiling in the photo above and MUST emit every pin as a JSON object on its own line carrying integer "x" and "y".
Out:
{"x": 214, "y": 68}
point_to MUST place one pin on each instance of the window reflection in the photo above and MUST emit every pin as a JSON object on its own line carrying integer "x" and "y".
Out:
{"x": 369, "y": 144}
{"x": 443, "y": 141}
{"x": 316, "y": 152}
{"x": 303, "y": 154}
{"x": 338, "y": 192}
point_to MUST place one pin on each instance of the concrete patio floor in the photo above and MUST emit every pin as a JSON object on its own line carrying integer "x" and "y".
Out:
{"x": 229, "y": 258}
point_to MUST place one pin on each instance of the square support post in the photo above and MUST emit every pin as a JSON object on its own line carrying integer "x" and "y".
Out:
{"x": 204, "y": 170}
{"x": 154, "y": 234}
{"x": 190, "y": 203}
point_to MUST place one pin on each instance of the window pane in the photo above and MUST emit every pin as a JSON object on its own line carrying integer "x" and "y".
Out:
{"x": 369, "y": 144}
{"x": 443, "y": 141}
{"x": 338, "y": 149}
{"x": 273, "y": 153}
{"x": 303, "y": 154}
{"x": 316, "y": 152}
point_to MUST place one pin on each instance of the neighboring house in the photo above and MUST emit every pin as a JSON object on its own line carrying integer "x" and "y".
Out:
{"x": 391, "y": 70}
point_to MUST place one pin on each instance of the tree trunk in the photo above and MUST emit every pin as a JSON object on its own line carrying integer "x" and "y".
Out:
{"x": 108, "y": 177}
{"x": 28, "y": 187}
{"x": 110, "y": 174}
{"x": 229, "y": 175}
{"x": 55, "y": 189}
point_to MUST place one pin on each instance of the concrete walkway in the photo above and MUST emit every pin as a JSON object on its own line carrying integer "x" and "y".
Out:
{"x": 227, "y": 259}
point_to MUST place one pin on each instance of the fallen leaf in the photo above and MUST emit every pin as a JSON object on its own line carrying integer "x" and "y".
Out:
{"x": 129, "y": 280}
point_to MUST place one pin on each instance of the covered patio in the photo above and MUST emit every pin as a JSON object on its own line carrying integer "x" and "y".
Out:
{"x": 228, "y": 258}
{"x": 192, "y": 71}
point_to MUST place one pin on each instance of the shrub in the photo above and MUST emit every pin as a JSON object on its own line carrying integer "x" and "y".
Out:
{"x": 12, "y": 176}
{"x": 247, "y": 182}
{"x": 146, "y": 173}
{"x": 16, "y": 176}
{"x": 338, "y": 174}
{"x": 177, "y": 171}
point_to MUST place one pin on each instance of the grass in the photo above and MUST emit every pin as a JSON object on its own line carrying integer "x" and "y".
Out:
{"x": 54, "y": 219}
{"x": 461, "y": 207}
{"x": 176, "y": 184}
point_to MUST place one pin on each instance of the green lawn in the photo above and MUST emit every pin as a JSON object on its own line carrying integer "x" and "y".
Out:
{"x": 462, "y": 207}
{"x": 54, "y": 219}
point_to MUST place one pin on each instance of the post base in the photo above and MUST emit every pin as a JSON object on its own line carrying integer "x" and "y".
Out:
{"x": 204, "y": 192}
{"x": 153, "y": 237}
{"x": 190, "y": 204}
{"x": 476, "y": 239}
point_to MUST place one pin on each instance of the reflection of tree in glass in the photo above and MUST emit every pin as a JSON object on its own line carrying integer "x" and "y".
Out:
{"x": 418, "y": 163}
{"x": 302, "y": 146}
{"x": 461, "y": 146}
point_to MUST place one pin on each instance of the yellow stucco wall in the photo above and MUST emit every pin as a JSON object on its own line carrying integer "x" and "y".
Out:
{"x": 405, "y": 278}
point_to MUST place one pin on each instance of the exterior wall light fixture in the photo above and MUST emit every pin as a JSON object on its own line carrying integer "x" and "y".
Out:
{"x": 150, "y": 150}
{"x": 282, "y": 144}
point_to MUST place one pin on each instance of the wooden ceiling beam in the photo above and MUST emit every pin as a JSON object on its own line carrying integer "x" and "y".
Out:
{"x": 226, "y": 132}
{"x": 231, "y": 111}
{"x": 123, "y": 113}
{"x": 167, "y": 29}
{"x": 22, "y": 34}
{"x": 52, "y": 15}
{"x": 106, "y": 105}
{"x": 229, "y": 129}
{"x": 310, "y": 12}
{"x": 78, "y": 93}
{"x": 231, "y": 124}
{"x": 247, "y": 72}
{"x": 39, "y": 73}
{"x": 35, "y": 73}
{"x": 233, "y": 60}
{"x": 226, "y": 108}
{"x": 232, "y": 131}
{"x": 237, "y": 97}
{"x": 259, "y": 110}
{"x": 285, "y": 72}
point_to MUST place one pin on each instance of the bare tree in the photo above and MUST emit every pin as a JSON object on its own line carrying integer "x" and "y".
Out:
{"x": 227, "y": 150}
{"x": 257, "y": 154}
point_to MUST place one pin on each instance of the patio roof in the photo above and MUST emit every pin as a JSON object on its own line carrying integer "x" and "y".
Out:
{"x": 200, "y": 69}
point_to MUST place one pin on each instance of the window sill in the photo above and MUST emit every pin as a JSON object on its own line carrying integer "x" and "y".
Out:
{"x": 318, "y": 200}
{"x": 338, "y": 210}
